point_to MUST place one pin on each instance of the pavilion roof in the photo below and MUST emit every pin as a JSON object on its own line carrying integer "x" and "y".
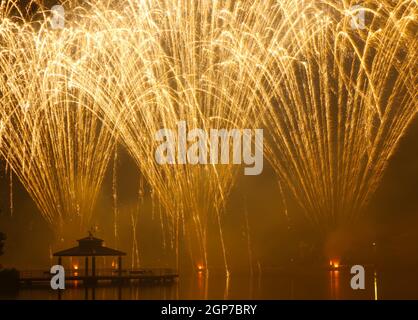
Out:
{"x": 89, "y": 246}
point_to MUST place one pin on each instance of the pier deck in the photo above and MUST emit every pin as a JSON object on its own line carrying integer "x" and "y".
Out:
{"x": 28, "y": 278}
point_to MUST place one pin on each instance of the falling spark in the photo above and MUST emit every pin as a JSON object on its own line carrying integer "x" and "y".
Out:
{"x": 11, "y": 193}
{"x": 115, "y": 198}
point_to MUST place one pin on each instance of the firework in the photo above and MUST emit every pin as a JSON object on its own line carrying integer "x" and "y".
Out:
{"x": 338, "y": 100}
{"x": 162, "y": 62}
{"x": 54, "y": 144}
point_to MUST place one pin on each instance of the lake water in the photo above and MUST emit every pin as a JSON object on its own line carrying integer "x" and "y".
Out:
{"x": 319, "y": 285}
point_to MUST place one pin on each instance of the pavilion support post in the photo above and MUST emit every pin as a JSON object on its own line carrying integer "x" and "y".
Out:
{"x": 86, "y": 267}
{"x": 120, "y": 266}
{"x": 93, "y": 266}
{"x": 93, "y": 280}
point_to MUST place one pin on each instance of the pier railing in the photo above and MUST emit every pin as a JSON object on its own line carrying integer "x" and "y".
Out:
{"x": 100, "y": 273}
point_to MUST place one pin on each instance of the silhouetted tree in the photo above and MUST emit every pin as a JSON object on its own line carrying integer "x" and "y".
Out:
{"x": 2, "y": 238}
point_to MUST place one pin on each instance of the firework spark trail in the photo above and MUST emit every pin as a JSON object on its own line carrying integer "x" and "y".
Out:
{"x": 161, "y": 62}
{"x": 57, "y": 148}
{"x": 339, "y": 101}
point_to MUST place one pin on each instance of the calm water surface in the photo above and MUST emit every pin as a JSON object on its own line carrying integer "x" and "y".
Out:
{"x": 321, "y": 285}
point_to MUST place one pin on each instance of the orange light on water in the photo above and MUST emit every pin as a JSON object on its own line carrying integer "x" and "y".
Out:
{"x": 200, "y": 268}
{"x": 335, "y": 264}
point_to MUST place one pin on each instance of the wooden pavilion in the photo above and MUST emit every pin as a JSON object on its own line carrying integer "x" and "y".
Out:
{"x": 91, "y": 247}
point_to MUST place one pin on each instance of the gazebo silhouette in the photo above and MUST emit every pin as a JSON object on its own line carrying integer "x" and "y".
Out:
{"x": 91, "y": 247}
